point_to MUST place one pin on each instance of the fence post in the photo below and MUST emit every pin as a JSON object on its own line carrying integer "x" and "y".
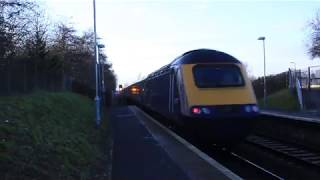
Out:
{"x": 309, "y": 79}
{"x": 24, "y": 76}
{"x": 299, "y": 76}
{"x": 8, "y": 77}
{"x": 290, "y": 79}
{"x": 287, "y": 80}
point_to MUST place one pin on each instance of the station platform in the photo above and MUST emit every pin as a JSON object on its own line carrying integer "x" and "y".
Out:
{"x": 308, "y": 116}
{"x": 143, "y": 149}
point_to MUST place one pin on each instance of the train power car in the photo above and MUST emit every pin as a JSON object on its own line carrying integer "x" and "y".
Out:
{"x": 132, "y": 93}
{"x": 204, "y": 91}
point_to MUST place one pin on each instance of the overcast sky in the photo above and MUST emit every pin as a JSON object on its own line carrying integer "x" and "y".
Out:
{"x": 143, "y": 35}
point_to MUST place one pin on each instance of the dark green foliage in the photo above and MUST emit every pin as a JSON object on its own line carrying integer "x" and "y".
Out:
{"x": 48, "y": 136}
{"x": 45, "y": 135}
{"x": 47, "y": 58}
{"x": 274, "y": 83}
{"x": 36, "y": 46}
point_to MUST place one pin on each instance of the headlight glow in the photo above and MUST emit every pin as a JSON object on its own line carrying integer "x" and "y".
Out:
{"x": 247, "y": 108}
{"x": 255, "y": 108}
{"x": 206, "y": 110}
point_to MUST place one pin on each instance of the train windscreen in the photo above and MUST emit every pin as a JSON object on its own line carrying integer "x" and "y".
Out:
{"x": 211, "y": 76}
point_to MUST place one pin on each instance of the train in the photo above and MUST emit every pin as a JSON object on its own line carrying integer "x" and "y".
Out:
{"x": 204, "y": 91}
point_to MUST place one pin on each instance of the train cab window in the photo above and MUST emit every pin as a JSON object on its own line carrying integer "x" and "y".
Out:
{"x": 211, "y": 76}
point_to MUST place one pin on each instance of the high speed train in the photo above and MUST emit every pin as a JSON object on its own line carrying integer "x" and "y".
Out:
{"x": 204, "y": 91}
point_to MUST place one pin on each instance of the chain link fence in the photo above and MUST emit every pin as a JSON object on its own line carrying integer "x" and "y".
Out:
{"x": 309, "y": 78}
{"x": 24, "y": 76}
{"x": 307, "y": 82}
{"x": 20, "y": 76}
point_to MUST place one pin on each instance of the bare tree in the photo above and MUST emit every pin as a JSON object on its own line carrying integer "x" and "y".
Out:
{"x": 26, "y": 37}
{"x": 13, "y": 27}
{"x": 14, "y": 23}
{"x": 314, "y": 49}
{"x": 36, "y": 47}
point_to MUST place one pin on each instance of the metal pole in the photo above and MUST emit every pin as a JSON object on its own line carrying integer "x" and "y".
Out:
{"x": 295, "y": 71}
{"x": 309, "y": 78}
{"x": 264, "y": 76}
{"x": 103, "y": 85}
{"x": 97, "y": 98}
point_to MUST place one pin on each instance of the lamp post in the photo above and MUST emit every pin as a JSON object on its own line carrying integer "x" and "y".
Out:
{"x": 295, "y": 68}
{"x": 102, "y": 64}
{"x": 96, "y": 48}
{"x": 264, "y": 72}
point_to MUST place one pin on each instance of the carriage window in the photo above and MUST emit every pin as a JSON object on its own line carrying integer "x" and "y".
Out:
{"x": 209, "y": 76}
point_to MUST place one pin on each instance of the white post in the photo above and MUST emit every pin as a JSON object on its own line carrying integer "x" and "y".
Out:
{"x": 97, "y": 98}
{"x": 264, "y": 72}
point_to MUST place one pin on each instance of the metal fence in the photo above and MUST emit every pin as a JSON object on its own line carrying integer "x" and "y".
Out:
{"x": 309, "y": 78}
{"x": 18, "y": 76}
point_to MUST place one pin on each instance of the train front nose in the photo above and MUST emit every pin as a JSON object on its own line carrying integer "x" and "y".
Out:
{"x": 223, "y": 124}
{"x": 225, "y": 111}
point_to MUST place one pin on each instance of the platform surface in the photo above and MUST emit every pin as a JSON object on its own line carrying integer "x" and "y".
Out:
{"x": 143, "y": 150}
{"x": 309, "y": 116}
{"x": 136, "y": 154}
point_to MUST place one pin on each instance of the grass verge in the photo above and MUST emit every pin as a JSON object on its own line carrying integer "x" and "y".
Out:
{"x": 50, "y": 136}
{"x": 282, "y": 100}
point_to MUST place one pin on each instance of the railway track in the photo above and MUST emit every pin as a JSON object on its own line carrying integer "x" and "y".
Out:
{"x": 253, "y": 161}
{"x": 267, "y": 172}
{"x": 230, "y": 159}
{"x": 289, "y": 150}
{"x": 239, "y": 164}
{"x": 259, "y": 157}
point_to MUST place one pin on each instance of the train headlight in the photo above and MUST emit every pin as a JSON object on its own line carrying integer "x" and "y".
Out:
{"x": 247, "y": 108}
{"x": 196, "y": 110}
{"x": 206, "y": 110}
{"x": 255, "y": 108}
{"x": 201, "y": 111}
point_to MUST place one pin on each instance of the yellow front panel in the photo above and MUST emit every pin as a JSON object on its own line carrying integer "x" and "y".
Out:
{"x": 217, "y": 96}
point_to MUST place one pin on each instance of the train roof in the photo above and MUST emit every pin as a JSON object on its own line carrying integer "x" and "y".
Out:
{"x": 197, "y": 56}
{"x": 204, "y": 56}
